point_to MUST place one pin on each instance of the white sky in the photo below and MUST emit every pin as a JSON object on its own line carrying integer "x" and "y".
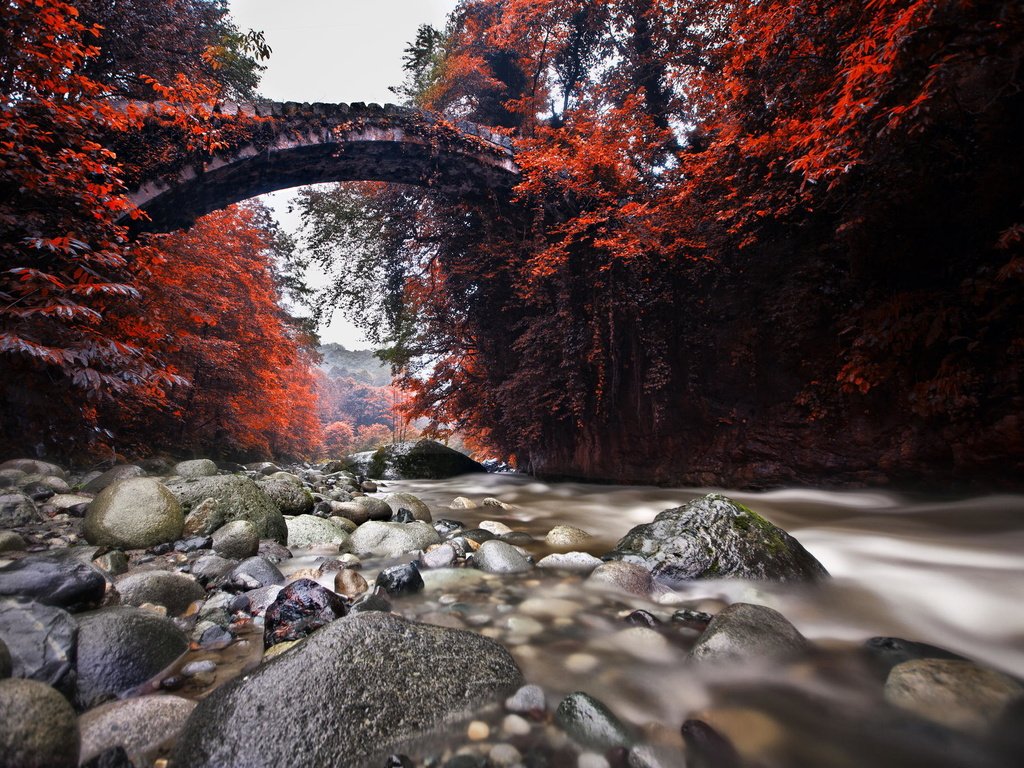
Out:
{"x": 334, "y": 51}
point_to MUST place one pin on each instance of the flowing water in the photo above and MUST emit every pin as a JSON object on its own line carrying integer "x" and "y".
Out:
{"x": 945, "y": 572}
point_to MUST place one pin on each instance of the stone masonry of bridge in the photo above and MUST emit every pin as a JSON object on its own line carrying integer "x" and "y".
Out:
{"x": 289, "y": 145}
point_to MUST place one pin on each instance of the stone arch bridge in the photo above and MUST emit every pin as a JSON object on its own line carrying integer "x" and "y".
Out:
{"x": 281, "y": 145}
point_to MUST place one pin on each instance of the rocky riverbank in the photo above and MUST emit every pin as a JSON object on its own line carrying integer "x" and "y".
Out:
{"x": 203, "y": 615}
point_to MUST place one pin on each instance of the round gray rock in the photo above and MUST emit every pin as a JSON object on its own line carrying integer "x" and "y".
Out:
{"x": 419, "y": 509}
{"x": 195, "y": 468}
{"x": 38, "y": 728}
{"x": 362, "y": 687}
{"x": 133, "y": 514}
{"x": 140, "y": 726}
{"x": 307, "y": 531}
{"x": 34, "y": 467}
{"x": 625, "y": 577}
{"x": 175, "y": 591}
{"x": 715, "y": 537}
{"x": 498, "y": 557}
{"x": 567, "y": 536}
{"x": 237, "y": 498}
{"x": 392, "y": 539}
{"x": 237, "y": 539}
{"x": 746, "y": 632}
{"x": 120, "y": 648}
{"x": 579, "y": 562}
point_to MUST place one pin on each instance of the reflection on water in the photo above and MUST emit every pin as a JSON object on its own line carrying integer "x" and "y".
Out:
{"x": 949, "y": 573}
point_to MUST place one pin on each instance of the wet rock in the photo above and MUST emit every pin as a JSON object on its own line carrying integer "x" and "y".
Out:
{"x": 38, "y": 728}
{"x": 34, "y": 467}
{"x": 288, "y": 493}
{"x": 300, "y": 609}
{"x": 478, "y": 535}
{"x": 371, "y": 602}
{"x": 707, "y": 748}
{"x": 237, "y": 498}
{"x": 499, "y": 557}
{"x": 438, "y": 556}
{"x": 590, "y": 723}
{"x": 273, "y": 551}
{"x": 17, "y": 509}
{"x": 578, "y": 562}
{"x": 715, "y": 537}
{"x": 368, "y": 486}
{"x": 258, "y": 600}
{"x": 625, "y": 577}
{"x": 400, "y": 580}
{"x": 446, "y": 527}
{"x": 175, "y": 591}
{"x": 54, "y": 578}
{"x": 392, "y": 539}
{"x": 134, "y": 514}
{"x": 887, "y": 652}
{"x": 237, "y": 539}
{"x": 461, "y": 502}
{"x": 263, "y": 467}
{"x": 421, "y": 460}
{"x": 196, "y": 468}
{"x": 219, "y": 607}
{"x": 691, "y": 619}
{"x": 39, "y": 491}
{"x": 374, "y": 509}
{"x": 111, "y": 476}
{"x": 402, "y": 516}
{"x": 956, "y": 693}
{"x": 11, "y": 542}
{"x": 211, "y": 568}
{"x": 414, "y": 504}
{"x": 205, "y": 518}
{"x": 374, "y": 682}
{"x": 140, "y": 726}
{"x": 655, "y": 756}
{"x": 642, "y": 618}
{"x": 6, "y": 663}
{"x": 308, "y": 531}
{"x": 193, "y": 544}
{"x": 528, "y": 700}
{"x": 349, "y": 583}
{"x": 75, "y": 504}
{"x": 253, "y": 573}
{"x": 344, "y": 523}
{"x": 490, "y": 501}
{"x": 113, "y": 563}
{"x": 744, "y": 632}
{"x": 40, "y": 641}
{"x": 495, "y": 527}
{"x": 120, "y": 648}
{"x": 115, "y": 757}
{"x": 566, "y": 537}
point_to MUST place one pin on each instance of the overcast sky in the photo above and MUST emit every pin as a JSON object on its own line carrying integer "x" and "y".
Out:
{"x": 334, "y": 51}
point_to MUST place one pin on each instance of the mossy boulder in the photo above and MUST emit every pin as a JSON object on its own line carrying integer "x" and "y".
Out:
{"x": 133, "y": 514}
{"x": 715, "y": 537}
{"x": 237, "y": 498}
{"x": 421, "y": 460}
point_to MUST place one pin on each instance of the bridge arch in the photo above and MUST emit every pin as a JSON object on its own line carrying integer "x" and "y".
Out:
{"x": 313, "y": 143}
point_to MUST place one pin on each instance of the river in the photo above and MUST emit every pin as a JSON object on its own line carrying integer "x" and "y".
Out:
{"x": 949, "y": 572}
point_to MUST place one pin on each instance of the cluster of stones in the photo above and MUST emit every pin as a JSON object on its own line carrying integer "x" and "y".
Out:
{"x": 128, "y": 593}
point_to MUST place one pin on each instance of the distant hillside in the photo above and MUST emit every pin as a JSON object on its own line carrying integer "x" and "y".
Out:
{"x": 358, "y": 364}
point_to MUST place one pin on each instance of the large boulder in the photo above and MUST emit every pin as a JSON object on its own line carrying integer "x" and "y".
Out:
{"x": 237, "y": 498}
{"x": 747, "y": 632}
{"x": 120, "y": 648}
{"x": 38, "y": 728}
{"x": 421, "y": 460}
{"x": 41, "y": 641}
{"x": 195, "y": 468}
{"x": 363, "y": 687}
{"x": 715, "y": 537}
{"x": 133, "y": 514}
{"x": 57, "y": 578}
{"x": 392, "y": 539}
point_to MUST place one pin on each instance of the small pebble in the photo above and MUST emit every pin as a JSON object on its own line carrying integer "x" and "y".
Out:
{"x": 514, "y": 725}
{"x": 478, "y": 730}
{"x": 581, "y": 663}
{"x": 591, "y": 760}
{"x": 504, "y": 754}
{"x": 194, "y": 668}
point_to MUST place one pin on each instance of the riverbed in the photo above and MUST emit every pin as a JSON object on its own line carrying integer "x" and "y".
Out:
{"x": 946, "y": 572}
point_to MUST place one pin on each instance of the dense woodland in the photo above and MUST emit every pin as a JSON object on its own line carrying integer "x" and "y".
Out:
{"x": 753, "y": 243}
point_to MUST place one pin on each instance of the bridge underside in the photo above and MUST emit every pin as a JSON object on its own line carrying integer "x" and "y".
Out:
{"x": 258, "y": 172}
